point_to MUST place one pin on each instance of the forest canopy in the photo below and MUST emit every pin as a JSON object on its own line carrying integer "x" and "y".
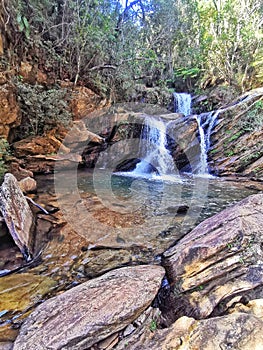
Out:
{"x": 112, "y": 45}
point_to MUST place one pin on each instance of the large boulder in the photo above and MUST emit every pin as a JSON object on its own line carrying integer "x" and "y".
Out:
{"x": 218, "y": 260}
{"x": 85, "y": 101}
{"x": 92, "y": 311}
{"x": 17, "y": 215}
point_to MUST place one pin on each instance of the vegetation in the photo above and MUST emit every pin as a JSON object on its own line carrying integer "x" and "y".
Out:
{"x": 41, "y": 108}
{"x": 111, "y": 45}
{"x": 4, "y": 153}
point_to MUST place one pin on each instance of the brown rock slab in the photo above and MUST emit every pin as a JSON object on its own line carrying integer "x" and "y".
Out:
{"x": 17, "y": 215}
{"x": 84, "y": 101}
{"x": 222, "y": 257}
{"x": 92, "y": 311}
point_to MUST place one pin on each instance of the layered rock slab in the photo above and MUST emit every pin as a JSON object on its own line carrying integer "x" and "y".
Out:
{"x": 221, "y": 258}
{"x": 92, "y": 311}
{"x": 17, "y": 215}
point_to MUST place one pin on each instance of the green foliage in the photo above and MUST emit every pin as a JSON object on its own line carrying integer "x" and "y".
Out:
{"x": 153, "y": 326}
{"x": 109, "y": 47}
{"x": 253, "y": 119}
{"x": 42, "y": 108}
{"x": 4, "y": 153}
{"x": 23, "y": 25}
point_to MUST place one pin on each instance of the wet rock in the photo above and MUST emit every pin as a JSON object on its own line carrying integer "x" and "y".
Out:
{"x": 17, "y": 214}
{"x": 236, "y": 331}
{"x": 92, "y": 311}
{"x": 28, "y": 185}
{"x": 18, "y": 294}
{"x": 221, "y": 258}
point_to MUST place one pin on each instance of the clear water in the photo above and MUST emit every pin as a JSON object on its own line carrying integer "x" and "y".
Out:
{"x": 146, "y": 211}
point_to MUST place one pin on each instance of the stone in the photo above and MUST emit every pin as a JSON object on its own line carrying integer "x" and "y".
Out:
{"x": 254, "y": 307}
{"x": 38, "y": 145}
{"x": 17, "y": 214}
{"x": 237, "y": 138}
{"x": 19, "y": 293}
{"x": 19, "y": 172}
{"x": 10, "y": 116}
{"x": 79, "y": 133}
{"x": 236, "y": 331}
{"x": 1, "y": 45}
{"x": 28, "y": 185}
{"x": 6, "y": 345}
{"x": 84, "y": 101}
{"x": 219, "y": 259}
{"x": 92, "y": 311}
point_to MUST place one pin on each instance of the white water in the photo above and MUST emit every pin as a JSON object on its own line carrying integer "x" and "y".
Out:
{"x": 206, "y": 123}
{"x": 182, "y": 103}
{"x": 156, "y": 158}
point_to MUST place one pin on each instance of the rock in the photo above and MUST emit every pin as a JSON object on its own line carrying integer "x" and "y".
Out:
{"x": 9, "y": 110}
{"x": 19, "y": 172}
{"x": 84, "y": 101}
{"x": 17, "y": 214}
{"x": 19, "y": 294}
{"x": 254, "y": 307}
{"x": 92, "y": 311}
{"x": 27, "y": 185}
{"x": 38, "y": 145}
{"x": 237, "y": 138}
{"x": 236, "y": 331}
{"x": 79, "y": 133}
{"x": 221, "y": 258}
{"x": 6, "y": 345}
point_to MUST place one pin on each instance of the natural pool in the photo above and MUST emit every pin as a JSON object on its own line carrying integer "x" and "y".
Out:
{"x": 99, "y": 221}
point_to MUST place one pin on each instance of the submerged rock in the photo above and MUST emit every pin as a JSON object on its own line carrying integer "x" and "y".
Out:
{"x": 218, "y": 260}
{"x": 17, "y": 215}
{"x": 92, "y": 311}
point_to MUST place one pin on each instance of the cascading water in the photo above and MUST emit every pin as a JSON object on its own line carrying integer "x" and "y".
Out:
{"x": 182, "y": 103}
{"x": 206, "y": 123}
{"x": 153, "y": 148}
{"x": 155, "y": 157}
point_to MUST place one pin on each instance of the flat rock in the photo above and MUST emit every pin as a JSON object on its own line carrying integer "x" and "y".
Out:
{"x": 17, "y": 215}
{"x": 92, "y": 311}
{"x": 221, "y": 258}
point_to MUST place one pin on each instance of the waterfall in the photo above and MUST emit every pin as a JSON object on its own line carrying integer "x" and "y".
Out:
{"x": 206, "y": 123}
{"x": 155, "y": 156}
{"x": 182, "y": 103}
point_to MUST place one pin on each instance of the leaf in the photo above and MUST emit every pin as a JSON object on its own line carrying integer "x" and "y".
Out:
{"x": 19, "y": 18}
{"x": 25, "y": 21}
